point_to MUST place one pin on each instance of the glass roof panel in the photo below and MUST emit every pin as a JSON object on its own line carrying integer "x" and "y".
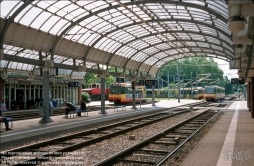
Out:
{"x": 8, "y": 7}
{"x": 55, "y": 16}
{"x": 40, "y": 20}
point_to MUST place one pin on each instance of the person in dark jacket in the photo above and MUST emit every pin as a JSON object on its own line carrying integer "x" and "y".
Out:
{"x": 4, "y": 119}
{"x": 68, "y": 107}
{"x": 82, "y": 108}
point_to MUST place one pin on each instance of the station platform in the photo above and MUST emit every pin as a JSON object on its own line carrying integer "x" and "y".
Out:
{"x": 229, "y": 142}
{"x": 30, "y": 130}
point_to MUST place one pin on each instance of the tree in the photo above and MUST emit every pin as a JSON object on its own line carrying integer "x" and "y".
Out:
{"x": 201, "y": 65}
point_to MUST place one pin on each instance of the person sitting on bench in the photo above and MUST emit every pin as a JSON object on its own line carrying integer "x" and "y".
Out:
{"x": 82, "y": 108}
{"x": 68, "y": 107}
{"x": 4, "y": 119}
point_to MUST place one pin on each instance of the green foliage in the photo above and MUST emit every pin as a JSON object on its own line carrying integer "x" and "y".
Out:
{"x": 192, "y": 66}
{"x": 92, "y": 78}
{"x": 109, "y": 80}
{"x": 85, "y": 97}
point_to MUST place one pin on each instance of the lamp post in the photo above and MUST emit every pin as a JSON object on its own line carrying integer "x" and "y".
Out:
{"x": 168, "y": 85}
{"x": 178, "y": 81}
{"x": 191, "y": 87}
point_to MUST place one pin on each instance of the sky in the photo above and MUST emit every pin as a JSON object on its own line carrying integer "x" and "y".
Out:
{"x": 224, "y": 66}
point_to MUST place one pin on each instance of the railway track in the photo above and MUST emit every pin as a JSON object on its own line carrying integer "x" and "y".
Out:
{"x": 44, "y": 151}
{"x": 31, "y": 114}
{"x": 158, "y": 149}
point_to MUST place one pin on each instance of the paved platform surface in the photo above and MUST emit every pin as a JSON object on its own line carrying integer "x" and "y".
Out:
{"x": 29, "y": 130}
{"x": 230, "y": 141}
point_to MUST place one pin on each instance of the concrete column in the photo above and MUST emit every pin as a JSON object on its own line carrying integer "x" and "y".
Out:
{"x": 179, "y": 84}
{"x": 191, "y": 87}
{"x": 153, "y": 96}
{"x": 103, "y": 109}
{"x": 25, "y": 96}
{"x": 252, "y": 97}
{"x": 1, "y": 92}
{"x": 168, "y": 85}
{"x": 46, "y": 89}
{"x": 134, "y": 96}
{"x": 248, "y": 95}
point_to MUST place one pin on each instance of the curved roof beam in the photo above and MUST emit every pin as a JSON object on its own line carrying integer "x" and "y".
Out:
{"x": 180, "y": 3}
{"x": 224, "y": 48}
{"x": 157, "y": 20}
{"x": 183, "y": 53}
{"x": 176, "y": 59}
{"x": 179, "y": 47}
{"x": 178, "y": 31}
{"x": 11, "y": 19}
{"x": 18, "y": 52}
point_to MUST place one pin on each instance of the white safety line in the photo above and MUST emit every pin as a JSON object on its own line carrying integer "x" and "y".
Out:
{"x": 228, "y": 146}
{"x": 67, "y": 124}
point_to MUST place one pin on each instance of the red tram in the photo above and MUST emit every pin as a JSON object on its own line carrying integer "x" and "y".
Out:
{"x": 95, "y": 92}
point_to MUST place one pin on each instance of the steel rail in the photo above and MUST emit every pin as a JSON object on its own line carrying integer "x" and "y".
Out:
{"x": 88, "y": 142}
{"x": 118, "y": 156}
{"x": 189, "y": 138}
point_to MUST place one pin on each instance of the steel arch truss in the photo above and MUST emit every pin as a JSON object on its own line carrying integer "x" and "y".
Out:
{"x": 142, "y": 35}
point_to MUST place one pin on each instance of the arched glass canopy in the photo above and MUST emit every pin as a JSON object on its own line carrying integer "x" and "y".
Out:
{"x": 135, "y": 35}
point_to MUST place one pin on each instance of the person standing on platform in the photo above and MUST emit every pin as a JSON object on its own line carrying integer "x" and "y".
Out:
{"x": 4, "y": 119}
{"x": 82, "y": 108}
{"x": 68, "y": 107}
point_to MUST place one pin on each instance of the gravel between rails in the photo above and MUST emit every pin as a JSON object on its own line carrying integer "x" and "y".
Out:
{"x": 92, "y": 154}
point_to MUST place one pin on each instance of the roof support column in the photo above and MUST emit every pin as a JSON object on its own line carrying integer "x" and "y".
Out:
{"x": 46, "y": 107}
{"x": 103, "y": 109}
{"x": 46, "y": 110}
{"x": 133, "y": 84}
{"x": 252, "y": 97}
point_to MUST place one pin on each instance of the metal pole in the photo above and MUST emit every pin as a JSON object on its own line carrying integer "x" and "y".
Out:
{"x": 168, "y": 85}
{"x": 183, "y": 86}
{"x": 153, "y": 95}
{"x": 174, "y": 86}
{"x": 196, "y": 82}
{"x": 179, "y": 93}
{"x": 162, "y": 82}
{"x": 45, "y": 106}
{"x": 158, "y": 90}
{"x": 134, "y": 95}
{"x": 191, "y": 87}
{"x": 103, "y": 109}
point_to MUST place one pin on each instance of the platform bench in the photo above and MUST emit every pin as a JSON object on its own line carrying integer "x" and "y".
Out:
{"x": 119, "y": 106}
{"x": 72, "y": 113}
{"x": 9, "y": 120}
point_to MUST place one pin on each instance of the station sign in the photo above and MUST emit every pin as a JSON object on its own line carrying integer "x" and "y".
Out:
{"x": 237, "y": 81}
{"x": 120, "y": 80}
{"x": 73, "y": 84}
{"x": 141, "y": 82}
{"x": 151, "y": 82}
{"x": 39, "y": 71}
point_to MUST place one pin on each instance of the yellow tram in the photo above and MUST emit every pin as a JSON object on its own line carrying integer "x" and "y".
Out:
{"x": 122, "y": 93}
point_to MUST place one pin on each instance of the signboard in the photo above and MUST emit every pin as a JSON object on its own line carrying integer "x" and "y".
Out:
{"x": 151, "y": 82}
{"x": 37, "y": 72}
{"x": 73, "y": 84}
{"x": 120, "y": 80}
{"x": 237, "y": 81}
{"x": 141, "y": 82}
{"x": 235, "y": 64}
{"x": 52, "y": 72}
